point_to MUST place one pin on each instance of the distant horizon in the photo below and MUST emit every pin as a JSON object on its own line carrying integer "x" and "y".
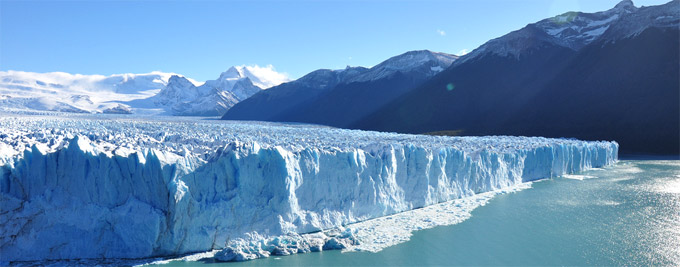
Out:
{"x": 202, "y": 39}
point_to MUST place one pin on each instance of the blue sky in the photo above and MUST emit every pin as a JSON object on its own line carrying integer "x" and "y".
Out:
{"x": 202, "y": 39}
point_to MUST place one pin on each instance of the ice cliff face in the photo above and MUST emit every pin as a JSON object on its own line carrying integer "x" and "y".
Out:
{"x": 91, "y": 188}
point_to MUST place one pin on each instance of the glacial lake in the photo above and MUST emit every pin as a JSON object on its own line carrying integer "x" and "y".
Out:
{"x": 628, "y": 214}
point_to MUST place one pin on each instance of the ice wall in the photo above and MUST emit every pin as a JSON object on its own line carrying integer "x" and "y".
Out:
{"x": 69, "y": 194}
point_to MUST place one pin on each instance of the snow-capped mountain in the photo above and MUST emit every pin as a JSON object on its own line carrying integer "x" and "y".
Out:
{"x": 150, "y": 93}
{"x": 325, "y": 78}
{"x": 263, "y": 77}
{"x": 59, "y": 91}
{"x": 610, "y": 75}
{"x": 279, "y": 99}
{"x": 239, "y": 82}
{"x": 177, "y": 89}
{"x": 427, "y": 62}
{"x": 337, "y": 97}
{"x": 214, "y": 97}
{"x": 634, "y": 23}
{"x": 575, "y": 30}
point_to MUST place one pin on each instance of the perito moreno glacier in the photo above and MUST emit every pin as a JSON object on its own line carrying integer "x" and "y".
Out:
{"x": 78, "y": 188}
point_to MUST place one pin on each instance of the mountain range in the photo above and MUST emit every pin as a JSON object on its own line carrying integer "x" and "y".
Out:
{"x": 341, "y": 97}
{"x": 610, "y": 75}
{"x": 58, "y": 91}
{"x": 155, "y": 93}
{"x": 214, "y": 97}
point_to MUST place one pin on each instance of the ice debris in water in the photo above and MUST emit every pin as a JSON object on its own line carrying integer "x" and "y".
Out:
{"x": 255, "y": 246}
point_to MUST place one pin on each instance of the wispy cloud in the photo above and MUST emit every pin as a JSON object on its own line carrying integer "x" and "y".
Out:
{"x": 441, "y": 32}
{"x": 463, "y": 52}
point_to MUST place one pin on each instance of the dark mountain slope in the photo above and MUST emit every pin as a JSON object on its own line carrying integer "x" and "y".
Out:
{"x": 463, "y": 95}
{"x": 347, "y": 103}
{"x": 340, "y": 97}
{"x": 625, "y": 90}
{"x": 278, "y": 100}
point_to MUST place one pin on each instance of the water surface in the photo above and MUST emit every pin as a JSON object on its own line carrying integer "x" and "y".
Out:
{"x": 628, "y": 214}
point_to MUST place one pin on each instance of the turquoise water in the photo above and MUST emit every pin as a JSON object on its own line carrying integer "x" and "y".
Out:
{"x": 628, "y": 214}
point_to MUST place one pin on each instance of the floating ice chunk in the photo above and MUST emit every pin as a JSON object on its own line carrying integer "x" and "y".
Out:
{"x": 578, "y": 177}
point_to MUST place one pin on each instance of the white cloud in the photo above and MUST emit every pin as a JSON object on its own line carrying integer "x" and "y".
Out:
{"x": 442, "y": 33}
{"x": 265, "y": 77}
{"x": 463, "y": 52}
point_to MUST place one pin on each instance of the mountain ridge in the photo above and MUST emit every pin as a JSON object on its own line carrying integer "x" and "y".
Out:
{"x": 336, "y": 97}
{"x": 152, "y": 93}
{"x": 577, "y": 29}
{"x": 622, "y": 86}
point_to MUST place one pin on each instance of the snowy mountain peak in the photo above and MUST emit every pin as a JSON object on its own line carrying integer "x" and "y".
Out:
{"x": 177, "y": 90}
{"x": 177, "y": 79}
{"x": 575, "y": 30}
{"x": 215, "y": 97}
{"x": 231, "y": 73}
{"x": 263, "y": 77}
{"x": 426, "y": 60}
{"x": 413, "y": 59}
{"x": 625, "y": 5}
{"x": 149, "y": 93}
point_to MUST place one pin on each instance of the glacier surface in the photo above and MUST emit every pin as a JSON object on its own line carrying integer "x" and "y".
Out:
{"x": 96, "y": 187}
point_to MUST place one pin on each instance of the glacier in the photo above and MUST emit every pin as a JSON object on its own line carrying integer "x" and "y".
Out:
{"x": 107, "y": 186}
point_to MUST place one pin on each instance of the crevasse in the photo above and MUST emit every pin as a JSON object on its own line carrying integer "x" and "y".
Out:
{"x": 77, "y": 200}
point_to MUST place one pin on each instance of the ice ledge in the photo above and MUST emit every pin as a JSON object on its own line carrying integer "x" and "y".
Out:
{"x": 76, "y": 199}
{"x": 372, "y": 235}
